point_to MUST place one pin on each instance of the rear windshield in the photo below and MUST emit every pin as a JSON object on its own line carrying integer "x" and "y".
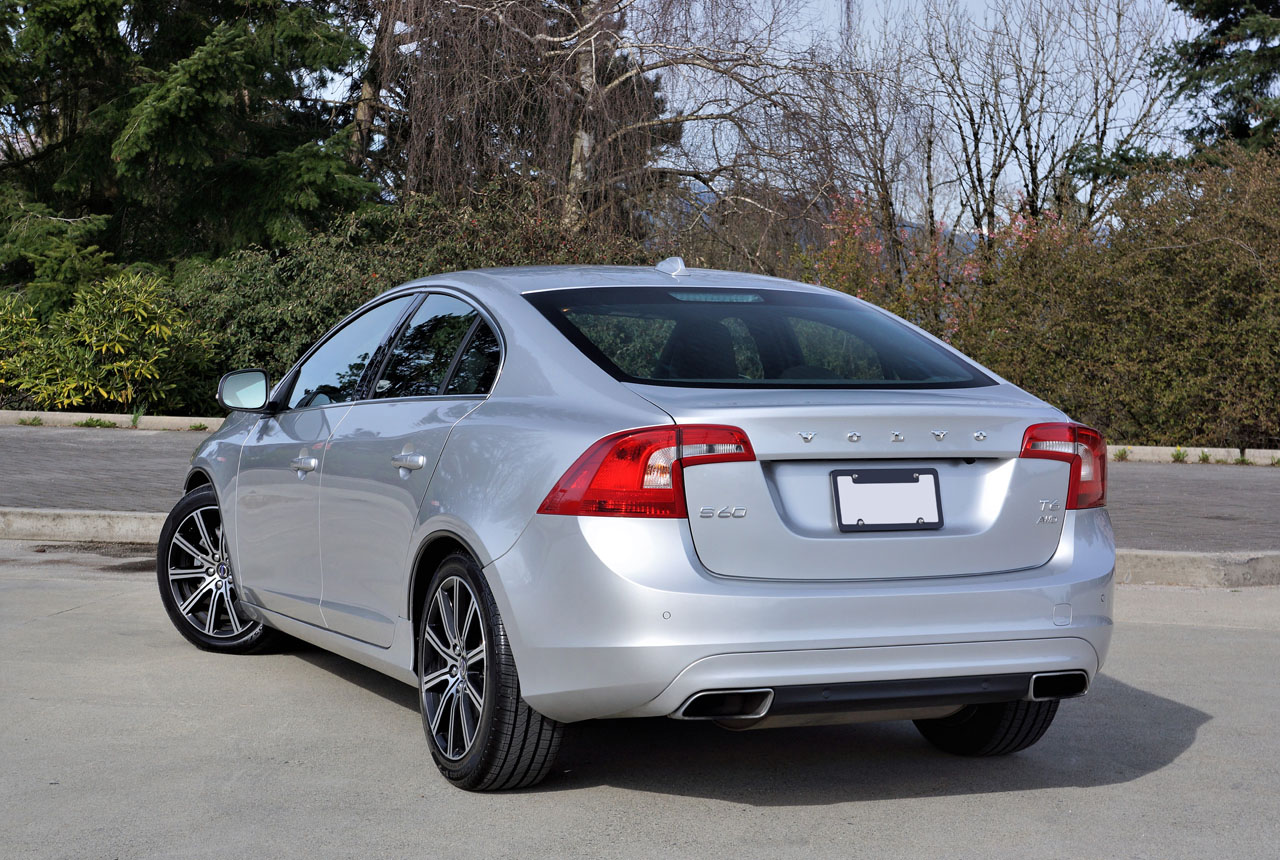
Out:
{"x": 717, "y": 338}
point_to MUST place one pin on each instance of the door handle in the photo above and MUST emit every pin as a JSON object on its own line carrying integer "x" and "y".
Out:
{"x": 304, "y": 464}
{"x": 409, "y": 461}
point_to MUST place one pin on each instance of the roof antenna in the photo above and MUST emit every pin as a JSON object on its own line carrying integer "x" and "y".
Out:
{"x": 672, "y": 266}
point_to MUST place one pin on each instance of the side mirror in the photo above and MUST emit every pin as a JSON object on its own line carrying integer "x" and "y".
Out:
{"x": 244, "y": 391}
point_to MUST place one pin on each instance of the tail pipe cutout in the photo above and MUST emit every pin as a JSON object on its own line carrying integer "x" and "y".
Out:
{"x": 1058, "y": 685}
{"x": 726, "y": 705}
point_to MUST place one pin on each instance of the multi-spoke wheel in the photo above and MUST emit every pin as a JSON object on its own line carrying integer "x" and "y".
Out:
{"x": 194, "y": 574}
{"x": 482, "y": 734}
{"x": 453, "y": 675}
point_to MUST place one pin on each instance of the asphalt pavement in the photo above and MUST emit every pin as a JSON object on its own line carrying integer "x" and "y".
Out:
{"x": 121, "y": 740}
{"x": 1153, "y": 506}
{"x": 93, "y": 469}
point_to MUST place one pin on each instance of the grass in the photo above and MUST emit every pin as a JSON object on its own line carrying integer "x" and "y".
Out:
{"x": 1179, "y": 454}
{"x": 95, "y": 422}
{"x": 135, "y": 418}
{"x": 33, "y": 421}
{"x": 1120, "y": 455}
{"x": 1243, "y": 461}
{"x": 199, "y": 426}
{"x": 1204, "y": 457}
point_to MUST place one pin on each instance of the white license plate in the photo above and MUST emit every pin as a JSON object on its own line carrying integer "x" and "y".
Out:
{"x": 887, "y": 499}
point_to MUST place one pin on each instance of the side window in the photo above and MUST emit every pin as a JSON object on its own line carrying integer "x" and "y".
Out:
{"x": 422, "y": 355}
{"x": 333, "y": 371}
{"x": 478, "y": 364}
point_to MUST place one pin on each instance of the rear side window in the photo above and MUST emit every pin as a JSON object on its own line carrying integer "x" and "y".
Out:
{"x": 477, "y": 366}
{"x": 749, "y": 338}
{"x": 423, "y": 354}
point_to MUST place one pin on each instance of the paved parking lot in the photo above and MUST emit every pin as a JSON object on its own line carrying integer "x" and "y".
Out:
{"x": 121, "y": 740}
{"x": 1203, "y": 508}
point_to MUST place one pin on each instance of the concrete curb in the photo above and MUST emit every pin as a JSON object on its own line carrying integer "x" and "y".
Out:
{"x": 74, "y": 526}
{"x": 1133, "y": 566}
{"x": 1161, "y": 454}
{"x": 1217, "y": 569}
{"x": 9, "y": 417}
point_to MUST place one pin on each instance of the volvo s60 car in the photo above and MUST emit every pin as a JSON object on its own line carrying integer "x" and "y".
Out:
{"x": 551, "y": 494}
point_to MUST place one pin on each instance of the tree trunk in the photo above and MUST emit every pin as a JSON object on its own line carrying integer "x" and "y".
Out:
{"x": 580, "y": 157}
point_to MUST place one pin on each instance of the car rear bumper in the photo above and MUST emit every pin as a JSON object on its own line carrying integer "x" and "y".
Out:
{"x": 616, "y": 617}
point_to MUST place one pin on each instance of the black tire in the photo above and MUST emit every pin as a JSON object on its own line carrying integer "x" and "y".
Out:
{"x": 482, "y": 734}
{"x": 993, "y": 729}
{"x": 194, "y": 575}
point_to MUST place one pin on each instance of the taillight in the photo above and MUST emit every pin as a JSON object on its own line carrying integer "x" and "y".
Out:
{"x": 638, "y": 473}
{"x": 1082, "y": 447}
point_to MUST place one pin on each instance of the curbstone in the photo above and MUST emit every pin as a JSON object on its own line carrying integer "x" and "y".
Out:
{"x": 1163, "y": 454}
{"x": 1216, "y": 569}
{"x": 75, "y": 526}
{"x": 146, "y": 422}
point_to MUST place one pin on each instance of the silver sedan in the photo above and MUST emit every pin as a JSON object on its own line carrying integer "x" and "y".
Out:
{"x": 543, "y": 495}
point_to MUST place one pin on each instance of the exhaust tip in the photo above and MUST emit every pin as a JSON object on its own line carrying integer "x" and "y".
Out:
{"x": 726, "y": 705}
{"x": 1058, "y": 685}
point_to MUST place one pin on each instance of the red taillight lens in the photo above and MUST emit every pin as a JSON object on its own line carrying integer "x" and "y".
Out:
{"x": 1082, "y": 447}
{"x": 638, "y": 473}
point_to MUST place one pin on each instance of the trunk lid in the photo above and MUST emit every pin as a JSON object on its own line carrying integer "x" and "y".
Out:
{"x": 776, "y": 518}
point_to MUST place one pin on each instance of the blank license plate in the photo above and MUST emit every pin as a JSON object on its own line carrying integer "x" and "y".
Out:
{"x": 887, "y": 499}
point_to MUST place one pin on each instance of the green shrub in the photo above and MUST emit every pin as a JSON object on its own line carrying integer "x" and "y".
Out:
{"x": 123, "y": 342}
{"x": 268, "y": 307}
{"x": 19, "y": 329}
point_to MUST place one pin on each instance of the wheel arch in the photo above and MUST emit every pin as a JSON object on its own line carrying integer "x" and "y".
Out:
{"x": 197, "y": 478}
{"x": 435, "y": 548}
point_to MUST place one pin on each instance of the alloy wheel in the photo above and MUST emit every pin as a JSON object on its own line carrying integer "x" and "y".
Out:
{"x": 453, "y": 677}
{"x": 199, "y": 575}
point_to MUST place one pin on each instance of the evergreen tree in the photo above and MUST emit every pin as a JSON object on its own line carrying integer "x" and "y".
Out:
{"x": 171, "y": 128}
{"x": 1233, "y": 67}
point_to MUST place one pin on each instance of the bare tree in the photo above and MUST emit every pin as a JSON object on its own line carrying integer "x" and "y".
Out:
{"x": 1040, "y": 95}
{"x": 727, "y": 121}
{"x": 596, "y": 100}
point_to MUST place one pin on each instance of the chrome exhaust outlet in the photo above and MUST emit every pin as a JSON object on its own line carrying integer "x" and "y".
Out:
{"x": 749, "y": 704}
{"x": 1057, "y": 685}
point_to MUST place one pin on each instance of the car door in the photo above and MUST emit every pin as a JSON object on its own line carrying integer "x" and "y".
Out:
{"x": 382, "y": 456}
{"x": 277, "y": 498}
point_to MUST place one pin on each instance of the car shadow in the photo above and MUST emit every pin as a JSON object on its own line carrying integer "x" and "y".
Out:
{"x": 375, "y": 682}
{"x": 1115, "y": 734}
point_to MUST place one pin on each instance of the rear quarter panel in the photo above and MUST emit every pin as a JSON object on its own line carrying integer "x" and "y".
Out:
{"x": 550, "y": 403}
